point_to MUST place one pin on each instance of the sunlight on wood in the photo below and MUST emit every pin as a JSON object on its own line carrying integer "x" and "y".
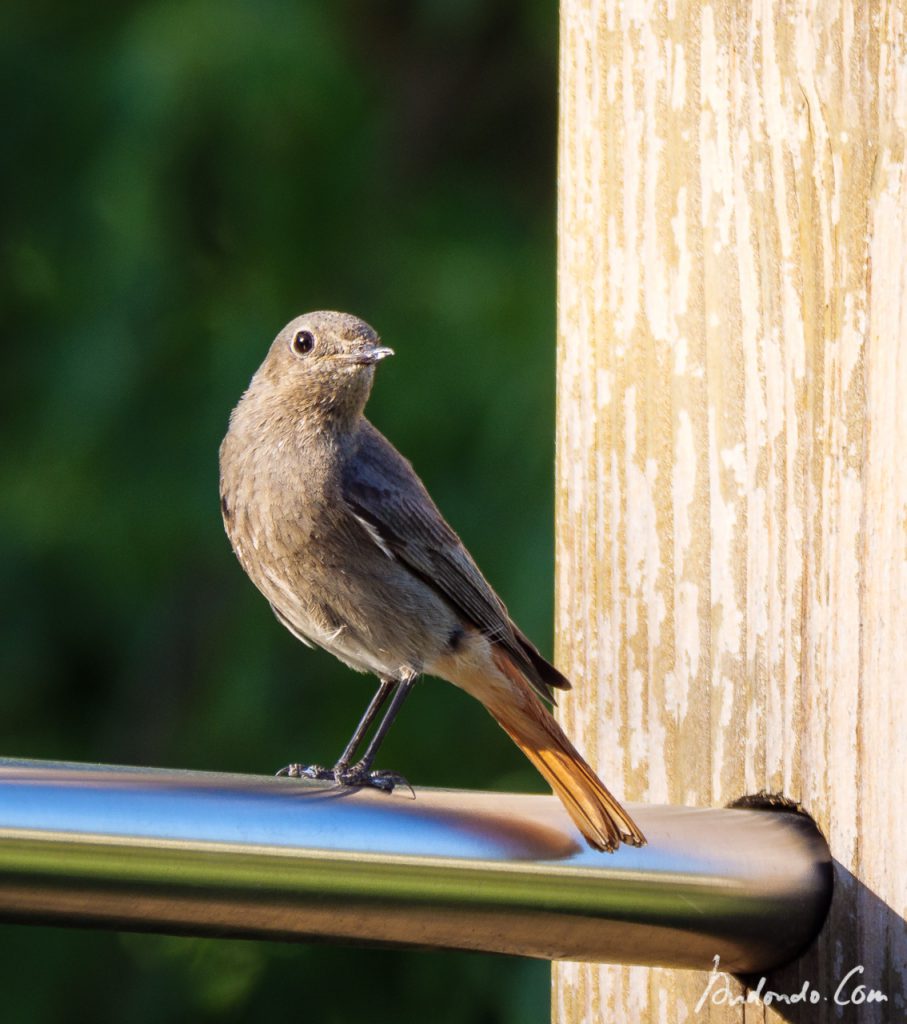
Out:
{"x": 732, "y": 445}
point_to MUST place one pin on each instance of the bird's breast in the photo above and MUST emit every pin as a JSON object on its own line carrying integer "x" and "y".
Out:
{"x": 320, "y": 567}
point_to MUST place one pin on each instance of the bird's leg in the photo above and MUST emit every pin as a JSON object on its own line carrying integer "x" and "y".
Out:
{"x": 386, "y": 688}
{"x": 360, "y": 774}
{"x": 315, "y": 771}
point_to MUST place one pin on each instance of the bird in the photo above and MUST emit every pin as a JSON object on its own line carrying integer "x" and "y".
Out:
{"x": 337, "y": 531}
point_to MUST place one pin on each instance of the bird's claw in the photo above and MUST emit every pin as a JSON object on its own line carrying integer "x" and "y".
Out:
{"x": 307, "y": 771}
{"x": 359, "y": 775}
{"x": 348, "y": 775}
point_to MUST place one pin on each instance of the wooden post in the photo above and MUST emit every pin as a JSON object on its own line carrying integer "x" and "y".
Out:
{"x": 732, "y": 451}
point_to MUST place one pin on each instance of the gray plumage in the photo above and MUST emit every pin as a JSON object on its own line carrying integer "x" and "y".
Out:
{"x": 335, "y": 528}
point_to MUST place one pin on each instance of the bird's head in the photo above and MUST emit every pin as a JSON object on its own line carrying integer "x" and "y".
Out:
{"x": 324, "y": 363}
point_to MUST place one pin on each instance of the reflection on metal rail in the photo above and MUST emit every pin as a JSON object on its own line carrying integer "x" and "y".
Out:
{"x": 201, "y": 853}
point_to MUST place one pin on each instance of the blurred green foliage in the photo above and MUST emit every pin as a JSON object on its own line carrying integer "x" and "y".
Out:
{"x": 181, "y": 177}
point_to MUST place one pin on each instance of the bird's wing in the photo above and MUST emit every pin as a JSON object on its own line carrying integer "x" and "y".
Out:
{"x": 383, "y": 492}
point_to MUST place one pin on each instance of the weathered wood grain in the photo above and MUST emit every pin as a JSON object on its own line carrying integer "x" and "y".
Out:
{"x": 732, "y": 447}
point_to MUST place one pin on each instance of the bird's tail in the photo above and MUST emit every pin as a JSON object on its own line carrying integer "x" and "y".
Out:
{"x": 596, "y": 813}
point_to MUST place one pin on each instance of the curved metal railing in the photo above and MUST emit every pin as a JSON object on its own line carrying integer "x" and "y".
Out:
{"x": 204, "y": 853}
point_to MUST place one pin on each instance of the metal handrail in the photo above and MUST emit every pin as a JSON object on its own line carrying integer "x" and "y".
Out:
{"x": 204, "y": 853}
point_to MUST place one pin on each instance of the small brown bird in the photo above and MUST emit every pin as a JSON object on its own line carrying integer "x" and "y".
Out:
{"x": 336, "y": 530}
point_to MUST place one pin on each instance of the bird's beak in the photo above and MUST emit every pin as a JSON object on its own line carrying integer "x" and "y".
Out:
{"x": 372, "y": 355}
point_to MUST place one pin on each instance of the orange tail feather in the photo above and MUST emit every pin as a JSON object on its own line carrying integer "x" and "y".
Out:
{"x": 595, "y": 812}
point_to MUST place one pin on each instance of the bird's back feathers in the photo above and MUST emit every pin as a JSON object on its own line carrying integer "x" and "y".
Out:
{"x": 382, "y": 490}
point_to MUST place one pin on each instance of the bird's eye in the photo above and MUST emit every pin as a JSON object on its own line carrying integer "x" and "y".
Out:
{"x": 303, "y": 342}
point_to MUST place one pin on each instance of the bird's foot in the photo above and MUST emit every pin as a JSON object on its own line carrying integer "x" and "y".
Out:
{"x": 360, "y": 775}
{"x": 307, "y": 771}
{"x": 349, "y": 775}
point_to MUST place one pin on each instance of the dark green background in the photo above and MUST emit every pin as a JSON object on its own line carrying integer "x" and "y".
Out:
{"x": 180, "y": 178}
